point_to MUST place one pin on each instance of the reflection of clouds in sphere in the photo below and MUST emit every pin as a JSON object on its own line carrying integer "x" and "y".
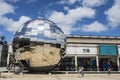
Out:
{"x": 40, "y": 30}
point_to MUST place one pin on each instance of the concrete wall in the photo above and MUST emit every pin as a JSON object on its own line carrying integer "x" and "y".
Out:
{"x": 81, "y": 49}
{"x": 93, "y": 40}
{"x": 119, "y": 50}
{"x": 0, "y": 53}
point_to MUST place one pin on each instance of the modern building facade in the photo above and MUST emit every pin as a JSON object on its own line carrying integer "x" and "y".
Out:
{"x": 3, "y": 53}
{"x": 94, "y": 53}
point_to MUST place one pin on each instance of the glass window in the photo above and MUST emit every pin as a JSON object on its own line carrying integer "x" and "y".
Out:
{"x": 86, "y": 50}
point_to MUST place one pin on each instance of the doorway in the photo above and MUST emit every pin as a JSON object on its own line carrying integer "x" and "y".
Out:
{"x": 106, "y": 63}
{"x": 89, "y": 64}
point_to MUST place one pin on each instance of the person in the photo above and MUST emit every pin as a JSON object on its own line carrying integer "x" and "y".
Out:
{"x": 80, "y": 71}
{"x": 109, "y": 71}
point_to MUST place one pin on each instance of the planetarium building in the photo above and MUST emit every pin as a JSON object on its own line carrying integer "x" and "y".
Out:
{"x": 40, "y": 45}
{"x": 94, "y": 53}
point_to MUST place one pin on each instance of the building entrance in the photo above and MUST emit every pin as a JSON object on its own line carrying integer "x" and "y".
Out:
{"x": 106, "y": 63}
{"x": 67, "y": 64}
{"x": 89, "y": 64}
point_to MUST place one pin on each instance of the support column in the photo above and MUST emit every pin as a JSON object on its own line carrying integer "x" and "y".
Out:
{"x": 76, "y": 63}
{"x": 118, "y": 63}
{"x": 8, "y": 59}
{"x": 97, "y": 63}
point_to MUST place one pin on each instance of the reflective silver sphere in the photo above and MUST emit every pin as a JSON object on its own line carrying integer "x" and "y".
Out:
{"x": 39, "y": 44}
{"x": 41, "y": 30}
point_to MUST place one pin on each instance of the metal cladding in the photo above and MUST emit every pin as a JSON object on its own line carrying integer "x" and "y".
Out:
{"x": 39, "y": 45}
{"x": 41, "y": 30}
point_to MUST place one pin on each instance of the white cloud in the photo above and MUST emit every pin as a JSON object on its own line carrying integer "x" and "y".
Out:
{"x": 66, "y": 21}
{"x": 76, "y": 29}
{"x": 4, "y": 21}
{"x": 113, "y": 14}
{"x": 94, "y": 27}
{"x": 5, "y": 8}
{"x": 66, "y": 8}
{"x": 70, "y": 2}
{"x": 9, "y": 23}
{"x": 12, "y": 25}
{"x": 16, "y": 24}
{"x": 92, "y": 3}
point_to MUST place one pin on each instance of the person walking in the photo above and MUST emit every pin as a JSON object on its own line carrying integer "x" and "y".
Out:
{"x": 80, "y": 71}
{"x": 109, "y": 71}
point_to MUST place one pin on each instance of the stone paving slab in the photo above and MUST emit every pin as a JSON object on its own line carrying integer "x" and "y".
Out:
{"x": 63, "y": 77}
{"x": 3, "y": 69}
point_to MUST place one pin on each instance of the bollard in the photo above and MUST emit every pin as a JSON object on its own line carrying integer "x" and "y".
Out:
{"x": 21, "y": 73}
{"x": 49, "y": 73}
{"x": 66, "y": 72}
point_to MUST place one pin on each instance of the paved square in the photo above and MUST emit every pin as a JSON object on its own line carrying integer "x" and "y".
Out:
{"x": 63, "y": 77}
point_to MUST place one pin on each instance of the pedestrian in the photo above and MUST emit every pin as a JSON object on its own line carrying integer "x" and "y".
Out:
{"x": 80, "y": 71}
{"x": 109, "y": 71}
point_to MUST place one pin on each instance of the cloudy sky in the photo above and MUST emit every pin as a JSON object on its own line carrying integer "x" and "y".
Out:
{"x": 77, "y": 17}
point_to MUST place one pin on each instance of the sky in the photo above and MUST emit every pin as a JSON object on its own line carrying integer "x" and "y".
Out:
{"x": 75, "y": 17}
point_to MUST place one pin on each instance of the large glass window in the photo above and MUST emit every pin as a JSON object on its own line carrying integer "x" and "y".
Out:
{"x": 106, "y": 63}
{"x": 67, "y": 64}
{"x": 89, "y": 64}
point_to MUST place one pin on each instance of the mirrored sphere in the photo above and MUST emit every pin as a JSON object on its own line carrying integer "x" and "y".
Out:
{"x": 41, "y": 30}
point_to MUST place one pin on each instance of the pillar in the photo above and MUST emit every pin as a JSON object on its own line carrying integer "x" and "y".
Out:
{"x": 76, "y": 63}
{"x": 8, "y": 59}
{"x": 97, "y": 63}
{"x": 118, "y": 63}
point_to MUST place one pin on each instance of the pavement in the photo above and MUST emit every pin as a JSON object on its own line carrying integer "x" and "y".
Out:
{"x": 3, "y": 69}
{"x": 62, "y": 77}
{"x": 4, "y": 75}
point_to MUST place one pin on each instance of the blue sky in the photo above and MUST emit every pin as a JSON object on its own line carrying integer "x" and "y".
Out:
{"x": 77, "y": 17}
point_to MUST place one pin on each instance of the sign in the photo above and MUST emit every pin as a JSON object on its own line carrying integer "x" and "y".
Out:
{"x": 108, "y": 50}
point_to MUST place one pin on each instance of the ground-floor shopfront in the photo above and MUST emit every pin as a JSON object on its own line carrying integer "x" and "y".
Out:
{"x": 94, "y": 53}
{"x": 106, "y": 62}
{"x": 90, "y": 63}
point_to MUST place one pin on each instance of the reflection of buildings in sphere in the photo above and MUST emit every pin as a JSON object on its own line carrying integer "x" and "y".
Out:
{"x": 39, "y": 44}
{"x": 41, "y": 31}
